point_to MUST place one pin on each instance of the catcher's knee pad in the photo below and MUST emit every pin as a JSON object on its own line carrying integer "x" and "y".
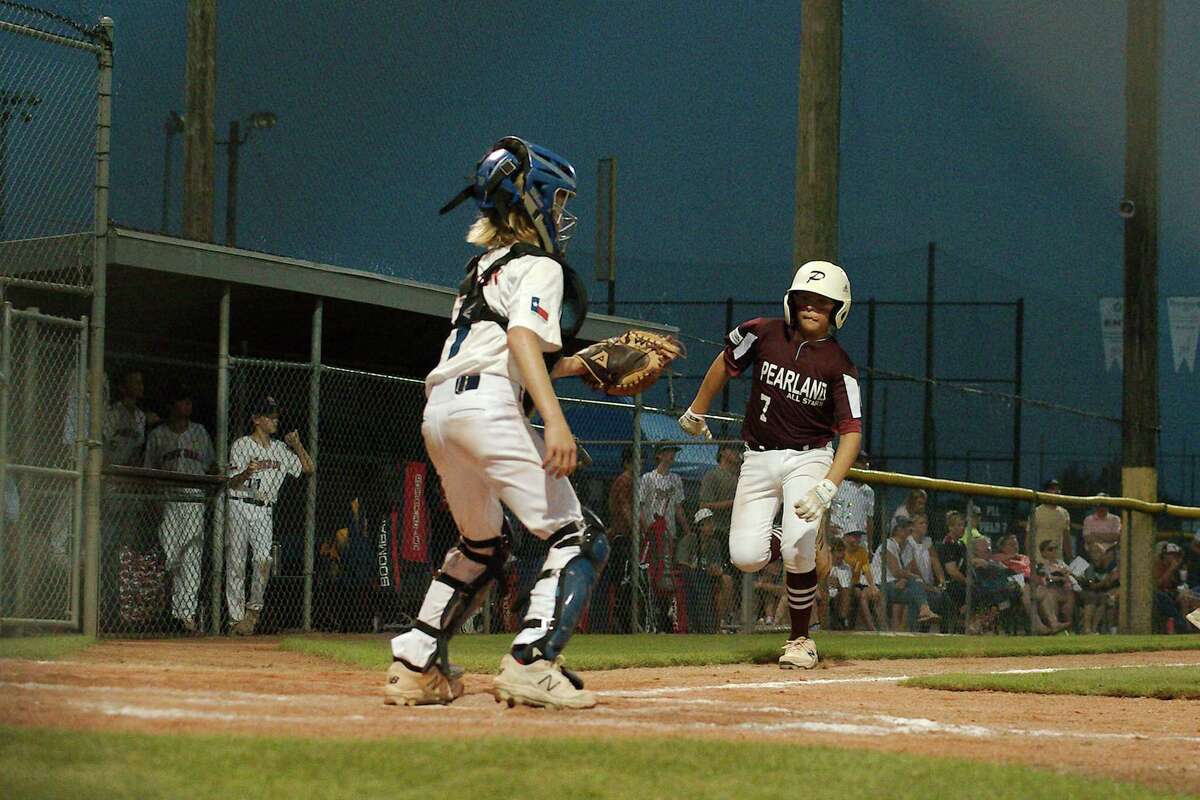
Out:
{"x": 560, "y": 596}
{"x": 468, "y": 572}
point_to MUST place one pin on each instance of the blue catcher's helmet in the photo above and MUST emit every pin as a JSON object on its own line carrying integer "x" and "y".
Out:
{"x": 549, "y": 182}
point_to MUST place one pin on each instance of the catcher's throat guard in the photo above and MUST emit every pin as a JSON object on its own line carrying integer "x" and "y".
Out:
{"x": 476, "y": 309}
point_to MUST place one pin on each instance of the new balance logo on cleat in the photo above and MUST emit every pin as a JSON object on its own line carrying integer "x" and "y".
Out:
{"x": 541, "y": 684}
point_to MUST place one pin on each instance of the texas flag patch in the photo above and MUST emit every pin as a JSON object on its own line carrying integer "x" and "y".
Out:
{"x": 536, "y": 307}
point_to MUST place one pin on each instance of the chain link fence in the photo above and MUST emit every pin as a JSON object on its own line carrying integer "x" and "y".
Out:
{"x": 156, "y": 568}
{"x": 42, "y": 422}
{"x": 48, "y": 101}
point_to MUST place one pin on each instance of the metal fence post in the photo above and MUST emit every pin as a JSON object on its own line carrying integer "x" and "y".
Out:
{"x": 91, "y": 581}
{"x": 80, "y": 465}
{"x": 28, "y": 437}
{"x": 5, "y": 383}
{"x": 220, "y": 517}
{"x": 314, "y": 410}
{"x": 635, "y": 529}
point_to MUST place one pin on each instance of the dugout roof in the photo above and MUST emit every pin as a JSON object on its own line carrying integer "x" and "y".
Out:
{"x": 164, "y": 297}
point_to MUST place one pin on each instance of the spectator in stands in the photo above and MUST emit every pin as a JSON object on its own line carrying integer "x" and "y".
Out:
{"x": 920, "y": 557}
{"x": 1100, "y": 587}
{"x": 612, "y": 593}
{"x": 1058, "y": 587}
{"x": 700, "y": 559}
{"x": 862, "y": 580}
{"x": 913, "y": 504}
{"x": 1101, "y": 526}
{"x": 991, "y": 589}
{"x": 125, "y": 424}
{"x": 952, "y": 553}
{"x": 1168, "y": 584}
{"x": 717, "y": 490}
{"x": 837, "y": 593}
{"x": 902, "y": 585}
{"x": 853, "y": 508}
{"x": 660, "y": 494}
{"x": 1050, "y": 522}
{"x": 771, "y": 591}
{"x": 183, "y": 446}
{"x": 1009, "y": 554}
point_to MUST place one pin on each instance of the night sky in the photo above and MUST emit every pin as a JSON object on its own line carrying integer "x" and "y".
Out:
{"x": 994, "y": 128}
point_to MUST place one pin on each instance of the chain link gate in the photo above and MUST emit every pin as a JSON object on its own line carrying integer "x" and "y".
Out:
{"x": 42, "y": 455}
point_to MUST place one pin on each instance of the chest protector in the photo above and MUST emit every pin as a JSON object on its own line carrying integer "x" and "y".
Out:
{"x": 475, "y": 308}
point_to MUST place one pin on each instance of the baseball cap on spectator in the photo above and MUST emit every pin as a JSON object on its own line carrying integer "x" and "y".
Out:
{"x": 1171, "y": 548}
{"x": 663, "y": 448}
{"x": 264, "y": 406}
{"x": 701, "y": 515}
{"x": 1052, "y": 483}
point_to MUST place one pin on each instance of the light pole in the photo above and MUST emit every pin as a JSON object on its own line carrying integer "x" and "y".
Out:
{"x": 172, "y": 126}
{"x": 262, "y": 120}
{"x": 14, "y": 105}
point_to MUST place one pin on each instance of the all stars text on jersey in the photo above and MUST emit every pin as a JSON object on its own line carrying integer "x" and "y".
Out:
{"x": 800, "y": 389}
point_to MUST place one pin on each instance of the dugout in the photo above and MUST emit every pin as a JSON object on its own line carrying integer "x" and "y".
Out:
{"x": 164, "y": 299}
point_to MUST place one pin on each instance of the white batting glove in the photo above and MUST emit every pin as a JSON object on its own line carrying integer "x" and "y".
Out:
{"x": 694, "y": 425}
{"x": 815, "y": 504}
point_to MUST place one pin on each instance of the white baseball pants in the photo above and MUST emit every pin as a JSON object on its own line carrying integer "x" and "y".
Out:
{"x": 249, "y": 525}
{"x": 486, "y": 453}
{"x": 771, "y": 478}
{"x": 181, "y": 534}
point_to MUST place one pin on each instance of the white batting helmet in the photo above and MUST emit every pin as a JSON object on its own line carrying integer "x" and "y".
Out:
{"x": 826, "y": 279}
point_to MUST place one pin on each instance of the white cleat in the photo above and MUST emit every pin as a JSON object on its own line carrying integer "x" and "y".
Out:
{"x": 540, "y": 684}
{"x": 408, "y": 688}
{"x": 1194, "y": 617}
{"x": 799, "y": 653}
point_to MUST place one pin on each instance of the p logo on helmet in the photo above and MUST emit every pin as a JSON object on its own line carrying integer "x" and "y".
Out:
{"x": 826, "y": 279}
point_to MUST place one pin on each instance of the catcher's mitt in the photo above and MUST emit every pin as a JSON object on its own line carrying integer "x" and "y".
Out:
{"x": 629, "y": 363}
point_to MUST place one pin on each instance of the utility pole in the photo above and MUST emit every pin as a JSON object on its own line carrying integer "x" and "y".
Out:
{"x": 172, "y": 126}
{"x": 1139, "y": 474}
{"x": 929, "y": 437}
{"x": 606, "y": 228}
{"x": 1018, "y": 385}
{"x": 818, "y": 128}
{"x": 198, "y": 134}
{"x": 231, "y": 180}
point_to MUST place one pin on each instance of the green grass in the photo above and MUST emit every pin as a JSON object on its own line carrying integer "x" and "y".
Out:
{"x": 1165, "y": 683}
{"x": 602, "y": 651}
{"x": 43, "y": 648}
{"x": 44, "y": 763}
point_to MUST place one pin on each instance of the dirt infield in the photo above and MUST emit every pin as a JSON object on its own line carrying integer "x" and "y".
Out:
{"x": 254, "y": 688}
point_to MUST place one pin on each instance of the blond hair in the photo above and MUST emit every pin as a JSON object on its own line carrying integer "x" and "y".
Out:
{"x": 489, "y": 230}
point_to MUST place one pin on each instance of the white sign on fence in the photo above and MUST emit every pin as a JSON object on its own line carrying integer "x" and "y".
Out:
{"x": 1184, "y": 316}
{"x": 1112, "y": 331}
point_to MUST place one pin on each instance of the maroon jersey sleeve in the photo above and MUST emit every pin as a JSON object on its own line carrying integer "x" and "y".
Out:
{"x": 741, "y": 345}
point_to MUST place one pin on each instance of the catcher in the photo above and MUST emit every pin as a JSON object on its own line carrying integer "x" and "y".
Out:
{"x": 518, "y": 302}
{"x": 805, "y": 394}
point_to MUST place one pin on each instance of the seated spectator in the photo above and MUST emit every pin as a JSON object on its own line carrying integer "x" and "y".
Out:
{"x": 1019, "y": 565}
{"x": 1056, "y": 593}
{"x": 952, "y": 553}
{"x": 902, "y": 586}
{"x": 837, "y": 593}
{"x": 1168, "y": 587}
{"x": 1100, "y": 587}
{"x": 920, "y": 557}
{"x": 863, "y": 581}
{"x": 1102, "y": 527}
{"x": 913, "y": 504}
{"x": 991, "y": 589}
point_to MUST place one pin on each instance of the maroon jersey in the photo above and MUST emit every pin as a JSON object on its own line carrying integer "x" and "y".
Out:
{"x": 804, "y": 393}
